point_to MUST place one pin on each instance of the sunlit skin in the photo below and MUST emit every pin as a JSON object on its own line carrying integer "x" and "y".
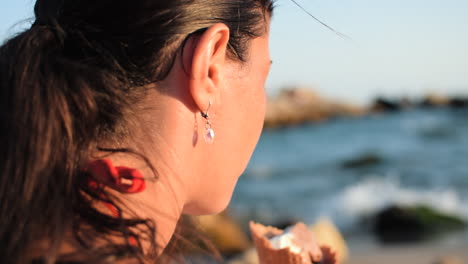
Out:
{"x": 192, "y": 176}
{"x": 195, "y": 177}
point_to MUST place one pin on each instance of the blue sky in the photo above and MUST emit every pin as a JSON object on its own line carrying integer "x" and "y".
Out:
{"x": 396, "y": 48}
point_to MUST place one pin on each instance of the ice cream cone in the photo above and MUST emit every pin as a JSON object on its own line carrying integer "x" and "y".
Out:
{"x": 269, "y": 255}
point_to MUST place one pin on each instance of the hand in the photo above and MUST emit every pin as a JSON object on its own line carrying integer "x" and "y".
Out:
{"x": 304, "y": 238}
{"x": 329, "y": 255}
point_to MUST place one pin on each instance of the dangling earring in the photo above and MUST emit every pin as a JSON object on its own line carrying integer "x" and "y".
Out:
{"x": 209, "y": 135}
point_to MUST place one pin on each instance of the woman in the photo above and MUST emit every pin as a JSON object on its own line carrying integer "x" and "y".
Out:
{"x": 117, "y": 117}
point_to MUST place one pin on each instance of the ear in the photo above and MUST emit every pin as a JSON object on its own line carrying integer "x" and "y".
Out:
{"x": 208, "y": 62}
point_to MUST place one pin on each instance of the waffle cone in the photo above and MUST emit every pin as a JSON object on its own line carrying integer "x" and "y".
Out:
{"x": 266, "y": 253}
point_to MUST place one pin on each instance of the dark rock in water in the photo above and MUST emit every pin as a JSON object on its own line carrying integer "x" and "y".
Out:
{"x": 435, "y": 101}
{"x": 459, "y": 102}
{"x": 438, "y": 133}
{"x": 363, "y": 161}
{"x": 385, "y": 105}
{"x": 411, "y": 224}
{"x": 396, "y": 224}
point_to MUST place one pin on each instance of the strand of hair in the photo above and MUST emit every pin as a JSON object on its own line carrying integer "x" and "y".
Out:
{"x": 320, "y": 21}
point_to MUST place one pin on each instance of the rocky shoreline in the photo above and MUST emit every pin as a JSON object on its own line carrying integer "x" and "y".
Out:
{"x": 299, "y": 105}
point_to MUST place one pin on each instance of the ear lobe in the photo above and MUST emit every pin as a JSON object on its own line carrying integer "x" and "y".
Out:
{"x": 208, "y": 62}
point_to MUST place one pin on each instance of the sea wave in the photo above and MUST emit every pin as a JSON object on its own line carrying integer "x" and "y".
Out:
{"x": 365, "y": 198}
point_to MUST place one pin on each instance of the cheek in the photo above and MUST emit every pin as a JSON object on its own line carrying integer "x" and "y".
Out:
{"x": 253, "y": 118}
{"x": 259, "y": 99}
{"x": 238, "y": 129}
{"x": 247, "y": 112}
{"x": 258, "y": 109}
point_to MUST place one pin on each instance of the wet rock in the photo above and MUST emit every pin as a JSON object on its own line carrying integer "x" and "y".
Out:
{"x": 434, "y": 100}
{"x": 385, "y": 105}
{"x": 411, "y": 224}
{"x": 225, "y": 233}
{"x": 362, "y": 161}
{"x": 438, "y": 133}
{"x": 459, "y": 102}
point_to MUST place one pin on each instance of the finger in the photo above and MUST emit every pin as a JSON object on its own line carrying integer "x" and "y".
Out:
{"x": 329, "y": 255}
{"x": 316, "y": 256}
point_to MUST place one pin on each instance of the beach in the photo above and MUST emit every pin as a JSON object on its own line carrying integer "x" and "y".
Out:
{"x": 419, "y": 253}
{"x": 350, "y": 170}
{"x": 411, "y": 254}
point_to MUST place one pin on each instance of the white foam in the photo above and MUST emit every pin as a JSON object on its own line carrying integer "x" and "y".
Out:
{"x": 367, "y": 197}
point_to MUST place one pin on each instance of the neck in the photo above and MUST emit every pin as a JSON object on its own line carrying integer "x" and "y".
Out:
{"x": 168, "y": 147}
{"x": 160, "y": 202}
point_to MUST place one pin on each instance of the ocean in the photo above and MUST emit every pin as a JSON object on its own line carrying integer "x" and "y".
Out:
{"x": 415, "y": 157}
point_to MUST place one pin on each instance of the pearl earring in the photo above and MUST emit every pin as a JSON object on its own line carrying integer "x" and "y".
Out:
{"x": 209, "y": 135}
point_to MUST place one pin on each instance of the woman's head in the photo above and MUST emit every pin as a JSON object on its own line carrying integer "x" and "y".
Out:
{"x": 94, "y": 75}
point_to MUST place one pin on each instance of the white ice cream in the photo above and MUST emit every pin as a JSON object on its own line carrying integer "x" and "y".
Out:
{"x": 285, "y": 240}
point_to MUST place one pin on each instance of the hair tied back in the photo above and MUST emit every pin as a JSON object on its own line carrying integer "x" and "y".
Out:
{"x": 47, "y": 12}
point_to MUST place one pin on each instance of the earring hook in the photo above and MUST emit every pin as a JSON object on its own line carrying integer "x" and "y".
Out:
{"x": 205, "y": 114}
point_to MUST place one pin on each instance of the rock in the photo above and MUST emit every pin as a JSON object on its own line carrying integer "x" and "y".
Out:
{"x": 363, "y": 161}
{"x": 225, "y": 233}
{"x": 409, "y": 224}
{"x": 458, "y": 102}
{"x": 406, "y": 103}
{"x": 385, "y": 105}
{"x": 435, "y": 100}
{"x": 300, "y": 105}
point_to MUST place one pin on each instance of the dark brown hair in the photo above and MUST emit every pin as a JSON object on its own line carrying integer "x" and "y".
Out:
{"x": 67, "y": 84}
